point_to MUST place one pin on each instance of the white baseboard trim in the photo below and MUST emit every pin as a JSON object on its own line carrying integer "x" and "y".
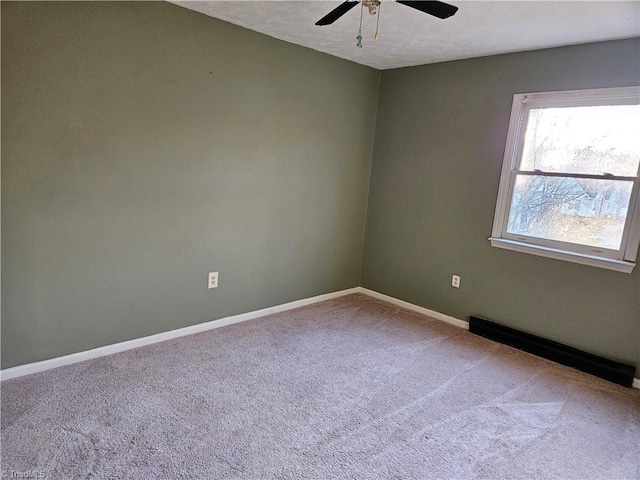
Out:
{"x": 410, "y": 306}
{"x": 30, "y": 368}
{"x": 35, "y": 367}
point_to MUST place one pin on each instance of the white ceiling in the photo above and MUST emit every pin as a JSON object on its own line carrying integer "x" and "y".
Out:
{"x": 410, "y": 37}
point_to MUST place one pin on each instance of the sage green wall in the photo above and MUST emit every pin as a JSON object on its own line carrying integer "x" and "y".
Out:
{"x": 144, "y": 145}
{"x": 440, "y": 140}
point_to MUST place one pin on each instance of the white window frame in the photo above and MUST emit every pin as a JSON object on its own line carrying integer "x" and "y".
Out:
{"x": 622, "y": 260}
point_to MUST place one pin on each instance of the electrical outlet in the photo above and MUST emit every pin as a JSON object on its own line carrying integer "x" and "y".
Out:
{"x": 213, "y": 279}
{"x": 455, "y": 281}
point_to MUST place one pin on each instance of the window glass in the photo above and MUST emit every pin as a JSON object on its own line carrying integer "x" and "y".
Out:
{"x": 586, "y": 140}
{"x": 576, "y": 210}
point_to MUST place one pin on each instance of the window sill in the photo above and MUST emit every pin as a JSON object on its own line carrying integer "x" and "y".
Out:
{"x": 601, "y": 262}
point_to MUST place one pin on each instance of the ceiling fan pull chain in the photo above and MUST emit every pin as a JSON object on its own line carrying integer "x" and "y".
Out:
{"x": 378, "y": 21}
{"x": 359, "y": 37}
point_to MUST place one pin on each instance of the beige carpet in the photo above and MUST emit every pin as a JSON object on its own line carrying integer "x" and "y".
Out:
{"x": 350, "y": 388}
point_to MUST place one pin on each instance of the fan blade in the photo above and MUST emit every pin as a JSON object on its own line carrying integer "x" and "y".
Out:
{"x": 437, "y": 9}
{"x": 336, "y": 13}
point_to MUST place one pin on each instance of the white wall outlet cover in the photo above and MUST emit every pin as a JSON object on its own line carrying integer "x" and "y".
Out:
{"x": 213, "y": 280}
{"x": 455, "y": 281}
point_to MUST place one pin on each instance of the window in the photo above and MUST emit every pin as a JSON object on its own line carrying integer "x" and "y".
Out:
{"x": 569, "y": 184}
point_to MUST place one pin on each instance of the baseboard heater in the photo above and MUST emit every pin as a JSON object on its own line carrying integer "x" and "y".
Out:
{"x": 601, "y": 367}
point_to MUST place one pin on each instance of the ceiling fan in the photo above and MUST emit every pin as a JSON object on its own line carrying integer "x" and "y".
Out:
{"x": 437, "y": 9}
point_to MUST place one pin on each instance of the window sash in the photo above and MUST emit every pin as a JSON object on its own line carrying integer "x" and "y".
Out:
{"x": 618, "y": 254}
{"x": 541, "y": 173}
{"x": 535, "y": 101}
